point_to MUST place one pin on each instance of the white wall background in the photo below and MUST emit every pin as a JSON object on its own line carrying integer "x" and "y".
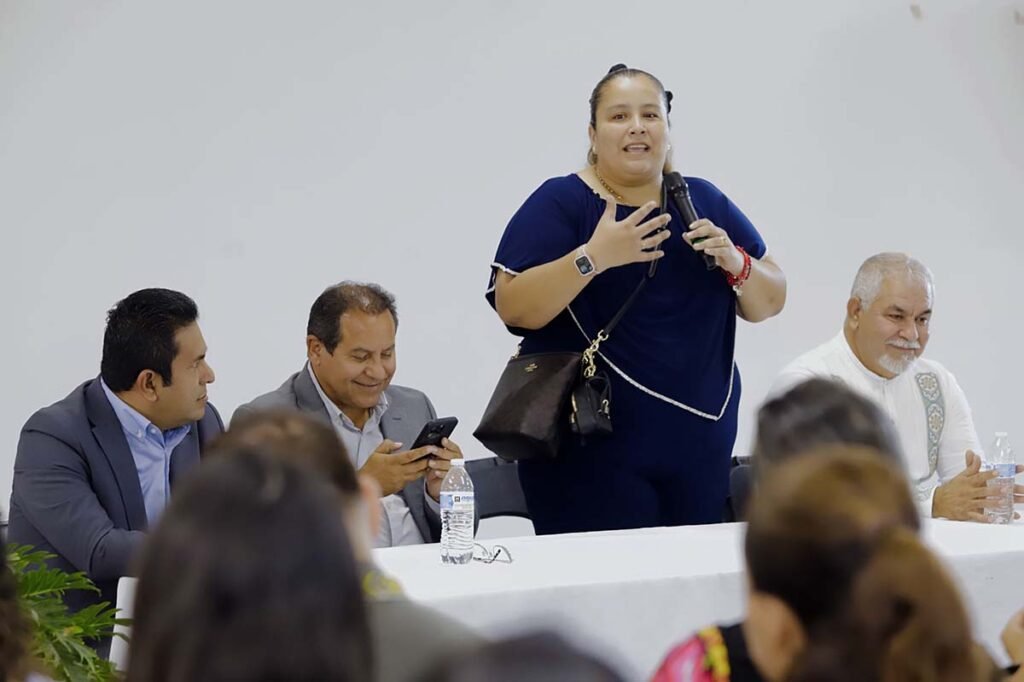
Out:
{"x": 251, "y": 153}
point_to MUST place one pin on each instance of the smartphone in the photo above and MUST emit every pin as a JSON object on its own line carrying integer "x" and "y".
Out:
{"x": 434, "y": 430}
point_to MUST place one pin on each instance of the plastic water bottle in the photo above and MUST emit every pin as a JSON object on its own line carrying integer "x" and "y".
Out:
{"x": 457, "y": 512}
{"x": 1000, "y": 459}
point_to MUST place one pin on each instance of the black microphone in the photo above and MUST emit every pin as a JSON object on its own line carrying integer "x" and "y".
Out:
{"x": 676, "y": 187}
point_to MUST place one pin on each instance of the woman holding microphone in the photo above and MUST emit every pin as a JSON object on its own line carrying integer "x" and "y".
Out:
{"x": 569, "y": 259}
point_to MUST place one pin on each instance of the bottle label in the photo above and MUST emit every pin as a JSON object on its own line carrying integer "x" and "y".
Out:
{"x": 1004, "y": 470}
{"x": 457, "y": 501}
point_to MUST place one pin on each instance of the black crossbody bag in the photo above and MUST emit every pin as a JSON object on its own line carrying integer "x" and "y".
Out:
{"x": 542, "y": 397}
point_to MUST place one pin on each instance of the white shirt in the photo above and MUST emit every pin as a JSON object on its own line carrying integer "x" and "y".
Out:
{"x": 398, "y": 527}
{"x": 901, "y": 398}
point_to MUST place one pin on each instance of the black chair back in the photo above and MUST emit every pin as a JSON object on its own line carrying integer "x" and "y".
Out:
{"x": 740, "y": 483}
{"x": 496, "y": 483}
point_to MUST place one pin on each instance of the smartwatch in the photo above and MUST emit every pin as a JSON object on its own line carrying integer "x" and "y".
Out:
{"x": 583, "y": 263}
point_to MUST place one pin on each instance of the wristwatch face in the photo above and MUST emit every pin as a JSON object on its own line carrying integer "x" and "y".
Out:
{"x": 584, "y": 265}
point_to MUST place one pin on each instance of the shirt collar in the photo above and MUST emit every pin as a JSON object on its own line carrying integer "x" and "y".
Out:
{"x": 135, "y": 424}
{"x": 335, "y": 412}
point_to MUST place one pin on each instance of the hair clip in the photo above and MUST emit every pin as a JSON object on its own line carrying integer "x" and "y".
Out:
{"x": 618, "y": 67}
{"x": 668, "y": 101}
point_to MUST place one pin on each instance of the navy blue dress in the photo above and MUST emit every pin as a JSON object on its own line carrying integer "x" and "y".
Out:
{"x": 675, "y": 387}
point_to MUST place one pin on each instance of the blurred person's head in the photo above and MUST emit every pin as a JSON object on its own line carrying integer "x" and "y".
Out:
{"x": 889, "y": 312}
{"x": 249, "y": 576}
{"x": 821, "y": 412}
{"x": 303, "y": 440}
{"x": 350, "y": 343}
{"x": 840, "y": 587}
{"x": 539, "y": 657}
{"x": 154, "y": 357}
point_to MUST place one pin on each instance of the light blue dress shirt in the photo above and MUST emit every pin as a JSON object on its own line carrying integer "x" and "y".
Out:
{"x": 151, "y": 449}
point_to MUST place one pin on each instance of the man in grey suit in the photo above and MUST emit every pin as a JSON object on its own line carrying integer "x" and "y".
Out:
{"x": 409, "y": 639}
{"x": 95, "y": 470}
{"x": 350, "y": 348}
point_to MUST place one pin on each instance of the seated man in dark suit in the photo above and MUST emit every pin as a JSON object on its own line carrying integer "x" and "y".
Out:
{"x": 408, "y": 638}
{"x": 94, "y": 470}
{"x": 350, "y": 347}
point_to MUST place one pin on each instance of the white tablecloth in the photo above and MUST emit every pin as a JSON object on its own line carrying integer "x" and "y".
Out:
{"x": 630, "y": 595}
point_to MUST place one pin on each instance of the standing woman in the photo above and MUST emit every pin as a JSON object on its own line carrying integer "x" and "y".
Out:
{"x": 570, "y": 257}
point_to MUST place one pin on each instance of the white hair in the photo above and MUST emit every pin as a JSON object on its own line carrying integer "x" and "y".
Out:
{"x": 880, "y": 267}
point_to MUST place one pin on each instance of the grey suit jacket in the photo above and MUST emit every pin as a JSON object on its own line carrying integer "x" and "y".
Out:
{"x": 76, "y": 490}
{"x": 408, "y": 410}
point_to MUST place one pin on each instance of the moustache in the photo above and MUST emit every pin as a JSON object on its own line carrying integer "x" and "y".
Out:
{"x": 904, "y": 345}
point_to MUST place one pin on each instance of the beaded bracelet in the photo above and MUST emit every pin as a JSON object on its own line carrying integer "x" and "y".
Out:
{"x": 736, "y": 281}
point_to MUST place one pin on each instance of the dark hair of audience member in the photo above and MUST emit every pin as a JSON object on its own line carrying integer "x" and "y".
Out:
{"x": 325, "y": 314}
{"x": 538, "y": 657}
{"x": 15, "y": 631}
{"x": 249, "y": 576}
{"x": 296, "y": 437}
{"x": 821, "y": 412}
{"x": 140, "y": 335}
{"x": 834, "y": 538}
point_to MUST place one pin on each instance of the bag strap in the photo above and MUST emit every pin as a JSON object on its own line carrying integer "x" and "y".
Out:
{"x": 607, "y": 331}
{"x": 589, "y": 368}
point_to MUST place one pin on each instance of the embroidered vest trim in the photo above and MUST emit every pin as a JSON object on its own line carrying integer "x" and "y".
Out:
{"x": 935, "y": 421}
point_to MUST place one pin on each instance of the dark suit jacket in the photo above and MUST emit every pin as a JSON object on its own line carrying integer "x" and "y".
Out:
{"x": 76, "y": 489}
{"x": 408, "y": 410}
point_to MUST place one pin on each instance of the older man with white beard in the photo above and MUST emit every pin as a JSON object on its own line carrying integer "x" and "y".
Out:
{"x": 878, "y": 353}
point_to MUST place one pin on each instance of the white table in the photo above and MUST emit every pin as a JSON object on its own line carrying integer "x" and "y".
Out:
{"x": 630, "y": 595}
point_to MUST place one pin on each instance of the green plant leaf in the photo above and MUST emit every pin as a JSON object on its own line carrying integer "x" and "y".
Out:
{"x": 60, "y": 638}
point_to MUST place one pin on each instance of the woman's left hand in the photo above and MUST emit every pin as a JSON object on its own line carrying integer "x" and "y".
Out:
{"x": 715, "y": 242}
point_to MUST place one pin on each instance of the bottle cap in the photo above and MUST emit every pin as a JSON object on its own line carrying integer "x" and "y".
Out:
{"x": 458, "y": 462}
{"x": 1001, "y": 434}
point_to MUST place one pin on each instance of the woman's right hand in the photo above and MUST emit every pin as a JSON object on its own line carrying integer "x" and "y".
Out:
{"x": 620, "y": 242}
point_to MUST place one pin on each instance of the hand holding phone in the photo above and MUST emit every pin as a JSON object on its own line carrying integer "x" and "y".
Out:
{"x": 432, "y": 434}
{"x": 394, "y": 469}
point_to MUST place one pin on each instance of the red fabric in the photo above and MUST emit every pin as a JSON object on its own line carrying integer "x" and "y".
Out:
{"x": 702, "y": 658}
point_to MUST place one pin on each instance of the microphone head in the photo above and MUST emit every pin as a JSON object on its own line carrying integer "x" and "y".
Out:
{"x": 674, "y": 182}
